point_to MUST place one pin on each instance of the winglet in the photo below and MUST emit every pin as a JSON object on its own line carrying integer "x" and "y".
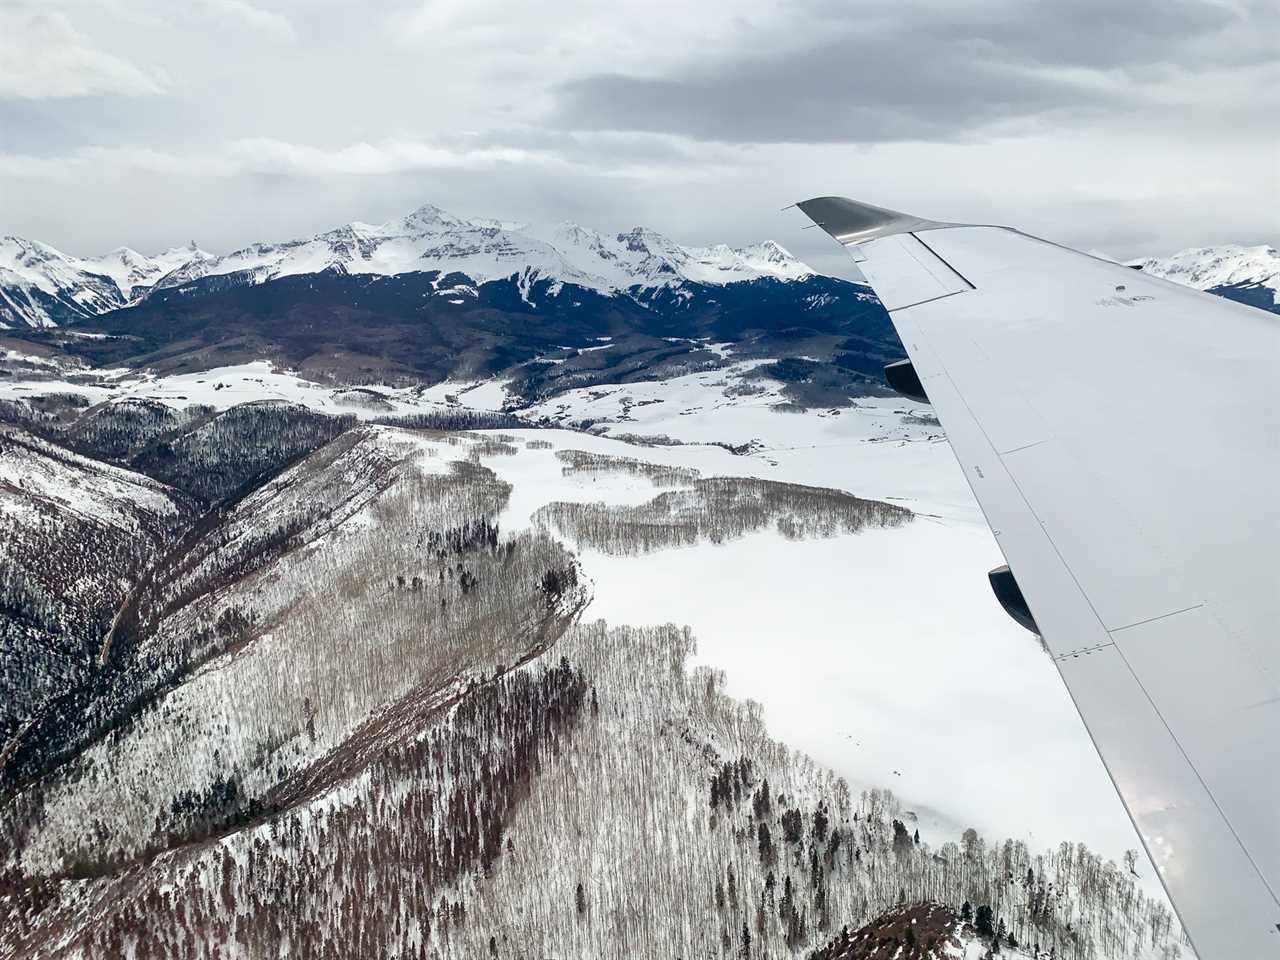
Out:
{"x": 850, "y": 222}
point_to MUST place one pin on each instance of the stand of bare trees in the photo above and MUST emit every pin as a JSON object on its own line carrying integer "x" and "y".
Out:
{"x": 602, "y": 801}
{"x": 717, "y": 509}
{"x": 582, "y": 462}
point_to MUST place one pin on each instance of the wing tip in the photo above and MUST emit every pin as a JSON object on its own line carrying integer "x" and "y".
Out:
{"x": 851, "y": 222}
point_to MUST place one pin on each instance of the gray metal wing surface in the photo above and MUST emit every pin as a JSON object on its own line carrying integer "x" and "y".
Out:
{"x": 1122, "y": 435}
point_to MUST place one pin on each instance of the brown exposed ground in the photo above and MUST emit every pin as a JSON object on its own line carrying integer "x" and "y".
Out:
{"x": 922, "y": 931}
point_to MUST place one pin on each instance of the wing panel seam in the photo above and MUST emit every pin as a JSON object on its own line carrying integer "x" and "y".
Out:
{"x": 941, "y": 296}
{"x": 1161, "y": 616}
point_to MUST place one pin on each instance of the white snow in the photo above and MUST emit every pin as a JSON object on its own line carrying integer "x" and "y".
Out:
{"x": 130, "y": 269}
{"x": 225, "y": 387}
{"x": 488, "y": 395}
{"x": 99, "y": 492}
{"x": 31, "y": 359}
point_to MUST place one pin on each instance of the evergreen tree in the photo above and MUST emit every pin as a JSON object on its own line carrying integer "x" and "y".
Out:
{"x": 984, "y": 922}
{"x": 764, "y": 844}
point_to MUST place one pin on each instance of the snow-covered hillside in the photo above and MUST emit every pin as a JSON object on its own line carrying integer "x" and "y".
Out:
{"x": 40, "y": 286}
{"x": 1227, "y": 269}
{"x": 75, "y": 535}
{"x": 704, "y": 665}
{"x": 730, "y": 423}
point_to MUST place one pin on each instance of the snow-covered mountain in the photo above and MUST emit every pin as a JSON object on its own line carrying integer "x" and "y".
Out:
{"x": 1251, "y": 274}
{"x": 135, "y": 272}
{"x": 431, "y": 239}
{"x": 40, "y": 286}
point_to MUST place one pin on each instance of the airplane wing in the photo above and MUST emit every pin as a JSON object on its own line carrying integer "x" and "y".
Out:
{"x": 1122, "y": 435}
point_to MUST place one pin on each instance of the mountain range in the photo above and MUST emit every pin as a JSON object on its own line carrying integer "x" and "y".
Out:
{"x": 40, "y": 286}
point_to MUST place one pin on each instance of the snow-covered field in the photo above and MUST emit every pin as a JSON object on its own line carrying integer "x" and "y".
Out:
{"x": 226, "y": 387}
{"x": 883, "y": 654}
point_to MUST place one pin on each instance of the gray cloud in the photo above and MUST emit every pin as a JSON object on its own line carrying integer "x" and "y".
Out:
{"x": 937, "y": 74}
{"x": 43, "y": 56}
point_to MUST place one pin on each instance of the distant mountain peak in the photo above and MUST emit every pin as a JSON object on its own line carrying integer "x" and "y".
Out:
{"x": 1251, "y": 272}
{"x": 428, "y": 216}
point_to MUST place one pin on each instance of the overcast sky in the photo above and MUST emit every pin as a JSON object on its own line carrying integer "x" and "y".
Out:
{"x": 1125, "y": 126}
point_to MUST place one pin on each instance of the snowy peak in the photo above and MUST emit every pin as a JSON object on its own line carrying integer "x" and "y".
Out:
{"x": 644, "y": 258}
{"x": 1215, "y": 268}
{"x": 426, "y": 218}
{"x": 131, "y": 270}
{"x": 761, "y": 259}
{"x": 37, "y": 264}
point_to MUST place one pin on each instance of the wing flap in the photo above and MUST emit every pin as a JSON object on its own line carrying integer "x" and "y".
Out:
{"x": 909, "y": 272}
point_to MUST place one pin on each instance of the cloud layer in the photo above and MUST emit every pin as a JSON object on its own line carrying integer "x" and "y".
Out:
{"x": 1134, "y": 127}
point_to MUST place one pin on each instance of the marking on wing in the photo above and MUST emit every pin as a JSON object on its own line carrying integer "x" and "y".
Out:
{"x": 906, "y": 273}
